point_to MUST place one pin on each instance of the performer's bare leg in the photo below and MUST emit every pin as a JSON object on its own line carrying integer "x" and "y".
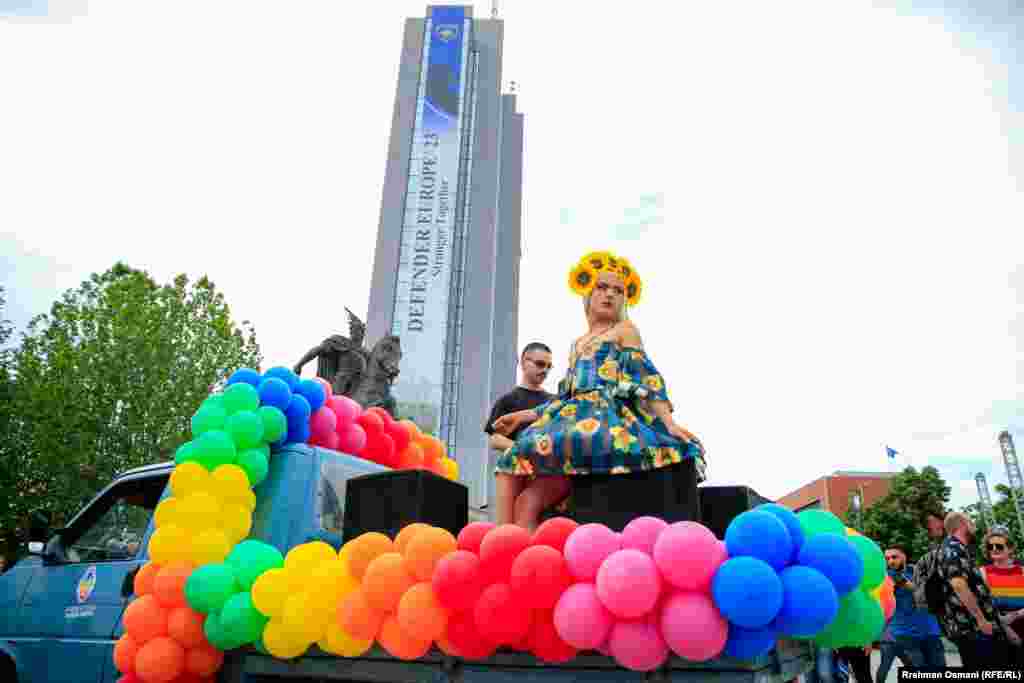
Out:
{"x": 507, "y": 490}
{"x": 538, "y": 496}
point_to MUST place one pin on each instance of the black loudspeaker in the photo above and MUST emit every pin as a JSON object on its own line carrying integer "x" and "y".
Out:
{"x": 616, "y": 499}
{"x": 388, "y": 501}
{"x": 719, "y": 505}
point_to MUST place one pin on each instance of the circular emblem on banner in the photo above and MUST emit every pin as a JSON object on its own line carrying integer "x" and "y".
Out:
{"x": 447, "y": 32}
{"x": 86, "y": 584}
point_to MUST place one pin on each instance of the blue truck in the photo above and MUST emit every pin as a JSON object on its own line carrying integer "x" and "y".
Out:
{"x": 61, "y": 607}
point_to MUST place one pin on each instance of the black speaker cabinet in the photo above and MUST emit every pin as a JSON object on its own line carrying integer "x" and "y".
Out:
{"x": 388, "y": 501}
{"x": 719, "y": 505}
{"x": 616, "y": 499}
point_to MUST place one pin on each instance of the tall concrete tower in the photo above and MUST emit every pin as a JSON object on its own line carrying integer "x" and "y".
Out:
{"x": 446, "y": 267}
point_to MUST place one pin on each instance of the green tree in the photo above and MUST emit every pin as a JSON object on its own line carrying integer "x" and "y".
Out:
{"x": 109, "y": 380}
{"x": 1005, "y": 514}
{"x": 899, "y": 516}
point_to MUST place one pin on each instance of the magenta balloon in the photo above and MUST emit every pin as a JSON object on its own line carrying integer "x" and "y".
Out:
{"x": 345, "y": 409}
{"x": 628, "y": 584}
{"x": 693, "y": 627}
{"x": 688, "y": 554}
{"x": 352, "y": 440}
{"x": 637, "y": 645}
{"x": 642, "y": 533}
{"x": 580, "y": 618}
{"x": 323, "y": 422}
{"x": 326, "y": 386}
{"x": 587, "y": 547}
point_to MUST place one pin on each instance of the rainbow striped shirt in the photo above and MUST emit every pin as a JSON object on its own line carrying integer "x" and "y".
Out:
{"x": 1007, "y": 586}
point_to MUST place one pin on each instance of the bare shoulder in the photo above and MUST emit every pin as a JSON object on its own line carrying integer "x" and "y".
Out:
{"x": 629, "y": 334}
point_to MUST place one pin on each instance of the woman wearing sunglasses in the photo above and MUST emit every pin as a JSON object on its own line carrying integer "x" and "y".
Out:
{"x": 1005, "y": 578}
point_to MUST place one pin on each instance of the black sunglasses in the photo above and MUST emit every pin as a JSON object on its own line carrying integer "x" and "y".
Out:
{"x": 998, "y": 547}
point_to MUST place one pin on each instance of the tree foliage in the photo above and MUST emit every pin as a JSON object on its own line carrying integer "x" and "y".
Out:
{"x": 109, "y": 380}
{"x": 899, "y": 516}
{"x": 1004, "y": 513}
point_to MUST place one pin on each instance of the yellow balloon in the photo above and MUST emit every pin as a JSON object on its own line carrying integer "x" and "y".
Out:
{"x": 198, "y": 511}
{"x": 852, "y": 532}
{"x": 281, "y": 643}
{"x": 237, "y": 523}
{"x": 165, "y": 512}
{"x": 306, "y": 616}
{"x": 337, "y": 642}
{"x": 451, "y": 469}
{"x": 230, "y": 483}
{"x": 169, "y": 543}
{"x": 270, "y": 590}
{"x": 332, "y": 580}
{"x": 189, "y": 477}
{"x": 248, "y": 501}
{"x": 209, "y": 547}
{"x": 303, "y": 559}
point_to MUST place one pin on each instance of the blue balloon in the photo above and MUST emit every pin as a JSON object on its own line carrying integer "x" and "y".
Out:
{"x": 749, "y": 644}
{"x": 297, "y": 412}
{"x": 247, "y": 375}
{"x": 312, "y": 392}
{"x": 787, "y": 517}
{"x": 274, "y": 392}
{"x": 761, "y": 535}
{"x": 747, "y": 592}
{"x": 809, "y": 602}
{"x": 299, "y": 434}
{"x": 283, "y": 373}
{"x": 835, "y": 557}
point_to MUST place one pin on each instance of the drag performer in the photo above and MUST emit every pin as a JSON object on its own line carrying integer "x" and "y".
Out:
{"x": 612, "y": 414}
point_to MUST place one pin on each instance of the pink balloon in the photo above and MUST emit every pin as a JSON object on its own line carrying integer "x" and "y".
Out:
{"x": 688, "y": 554}
{"x": 580, "y": 618}
{"x": 693, "y": 627}
{"x": 716, "y": 558}
{"x": 628, "y": 584}
{"x": 587, "y": 547}
{"x": 325, "y": 441}
{"x": 345, "y": 409}
{"x": 325, "y": 385}
{"x": 642, "y": 533}
{"x": 352, "y": 440}
{"x": 323, "y": 421}
{"x": 637, "y": 645}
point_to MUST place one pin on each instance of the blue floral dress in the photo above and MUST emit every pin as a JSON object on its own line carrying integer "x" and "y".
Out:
{"x": 599, "y": 423}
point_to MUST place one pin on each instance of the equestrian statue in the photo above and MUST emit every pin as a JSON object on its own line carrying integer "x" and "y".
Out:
{"x": 364, "y": 375}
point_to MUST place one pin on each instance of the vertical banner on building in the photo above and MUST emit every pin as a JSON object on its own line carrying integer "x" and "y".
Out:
{"x": 425, "y": 267}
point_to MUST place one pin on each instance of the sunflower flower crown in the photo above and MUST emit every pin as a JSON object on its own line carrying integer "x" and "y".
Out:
{"x": 583, "y": 275}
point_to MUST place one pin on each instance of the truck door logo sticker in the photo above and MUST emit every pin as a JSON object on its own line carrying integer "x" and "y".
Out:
{"x": 86, "y": 584}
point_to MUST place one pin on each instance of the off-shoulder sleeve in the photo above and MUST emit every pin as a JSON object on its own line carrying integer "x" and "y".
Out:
{"x": 638, "y": 378}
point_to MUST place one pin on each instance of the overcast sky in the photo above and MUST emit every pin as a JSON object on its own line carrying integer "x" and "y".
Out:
{"x": 823, "y": 199}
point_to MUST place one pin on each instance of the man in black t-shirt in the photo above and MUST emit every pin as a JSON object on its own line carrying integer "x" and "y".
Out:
{"x": 535, "y": 364}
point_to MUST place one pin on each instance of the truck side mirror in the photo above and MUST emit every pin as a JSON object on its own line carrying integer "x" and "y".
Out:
{"x": 35, "y": 548}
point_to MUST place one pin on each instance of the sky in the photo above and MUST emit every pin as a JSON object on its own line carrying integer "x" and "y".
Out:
{"x": 823, "y": 199}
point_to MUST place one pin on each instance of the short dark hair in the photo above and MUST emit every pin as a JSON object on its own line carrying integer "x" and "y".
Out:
{"x": 899, "y": 546}
{"x": 534, "y": 346}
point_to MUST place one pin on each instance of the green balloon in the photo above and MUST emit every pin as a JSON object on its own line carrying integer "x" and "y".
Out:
{"x": 814, "y": 522}
{"x": 186, "y": 453}
{"x": 208, "y": 418}
{"x": 255, "y": 464}
{"x": 241, "y": 396}
{"x": 209, "y": 587}
{"x": 216, "y": 400}
{"x": 874, "y": 561}
{"x": 240, "y": 620}
{"x": 260, "y": 647}
{"x": 218, "y": 635}
{"x": 215, "y": 448}
{"x": 873, "y": 622}
{"x": 249, "y": 559}
{"x": 275, "y": 424}
{"x": 246, "y": 428}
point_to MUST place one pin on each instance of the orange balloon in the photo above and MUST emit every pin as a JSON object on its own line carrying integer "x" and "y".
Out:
{"x": 412, "y": 428}
{"x": 419, "y": 612}
{"x": 365, "y": 549}
{"x": 161, "y": 660}
{"x": 145, "y": 619}
{"x": 438, "y": 467}
{"x": 357, "y": 618}
{"x": 204, "y": 660}
{"x": 400, "y": 644}
{"x": 386, "y": 580}
{"x": 433, "y": 450}
{"x": 426, "y": 549}
{"x": 169, "y": 584}
{"x": 446, "y": 647}
{"x": 411, "y": 458}
{"x": 406, "y": 534}
{"x": 185, "y": 625}
{"x": 125, "y": 650}
{"x": 144, "y": 578}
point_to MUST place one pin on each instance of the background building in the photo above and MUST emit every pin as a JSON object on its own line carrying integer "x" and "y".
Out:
{"x": 835, "y": 492}
{"x": 446, "y": 267}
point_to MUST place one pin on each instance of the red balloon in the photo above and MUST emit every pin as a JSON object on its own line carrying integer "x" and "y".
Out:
{"x": 411, "y": 458}
{"x": 472, "y": 535}
{"x": 464, "y": 637}
{"x": 539, "y": 576}
{"x": 457, "y": 580}
{"x": 399, "y": 434}
{"x": 545, "y": 643}
{"x": 381, "y": 449}
{"x": 554, "y": 532}
{"x": 499, "y": 549}
{"x": 500, "y": 617}
{"x": 371, "y": 423}
{"x": 385, "y": 416}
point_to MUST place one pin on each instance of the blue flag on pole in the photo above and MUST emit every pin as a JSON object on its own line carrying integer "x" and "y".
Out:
{"x": 891, "y": 453}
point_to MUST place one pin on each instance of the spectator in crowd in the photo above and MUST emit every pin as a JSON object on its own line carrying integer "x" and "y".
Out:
{"x": 912, "y": 634}
{"x": 858, "y": 659}
{"x": 969, "y": 617}
{"x": 1005, "y": 578}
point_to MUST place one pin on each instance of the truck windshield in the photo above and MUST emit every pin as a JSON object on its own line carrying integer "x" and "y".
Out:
{"x": 113, "y": 527}
{"x": 335, "y": 471}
